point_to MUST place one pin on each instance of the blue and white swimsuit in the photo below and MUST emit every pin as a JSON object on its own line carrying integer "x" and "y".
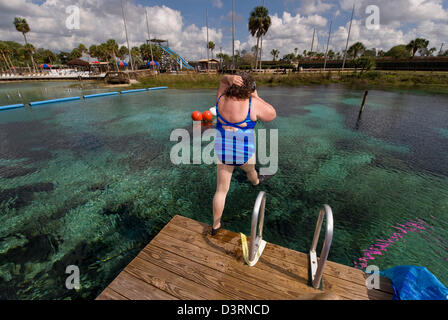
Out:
{"x": 234, "y": 148}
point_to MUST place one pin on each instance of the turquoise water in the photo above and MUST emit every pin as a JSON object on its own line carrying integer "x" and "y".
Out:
{"x": 89, "y": 183}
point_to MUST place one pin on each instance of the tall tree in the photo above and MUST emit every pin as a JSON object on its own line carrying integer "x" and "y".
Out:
{"x": 29, "y": 51}
{"x": 356, "y": 49}
{"x": 5, "y": 51}
{"x": 398, "y": 52}
{"x": 416, "y": 45}
{"x": 23, "y": 27}
{"x": 275, "y": 54}
{"x": 211, "y": 47}
{"x": 93, "y": 50}
{"x": 112, "y": 47}
{"x": 75, "y": 54}
{"x": 82, "y": 48}
{"x": 259, "y": 24}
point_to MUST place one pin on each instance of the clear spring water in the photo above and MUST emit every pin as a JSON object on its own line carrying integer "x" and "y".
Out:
{"x": 89, "y": 183}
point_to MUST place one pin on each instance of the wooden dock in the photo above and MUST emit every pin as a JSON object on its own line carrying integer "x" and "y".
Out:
{"x": 184, "y": 262}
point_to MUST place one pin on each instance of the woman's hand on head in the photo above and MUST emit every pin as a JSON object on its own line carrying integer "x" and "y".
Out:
{"x": 236, "y": 80}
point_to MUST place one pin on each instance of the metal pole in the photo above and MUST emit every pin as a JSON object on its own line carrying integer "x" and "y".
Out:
{"x": 233, "y": 34}
{"x": 149, "y": 35}
{"x": 328, "y": 43}
{"x": 312, "y": 43}
{"x": 127, "y": 39}
{"x": 261, "y": 46}
{"x": 206, "y": 19}
{"x": 348, "y": 38}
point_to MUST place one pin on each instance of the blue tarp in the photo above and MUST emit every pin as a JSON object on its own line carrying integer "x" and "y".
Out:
{"x": 415, "y": 283}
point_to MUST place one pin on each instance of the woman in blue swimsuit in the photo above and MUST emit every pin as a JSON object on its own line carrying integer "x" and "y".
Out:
{"x": 238, "y": 108}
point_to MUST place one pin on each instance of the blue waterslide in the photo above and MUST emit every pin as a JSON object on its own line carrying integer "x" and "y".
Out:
{"x": 171, "y": 52}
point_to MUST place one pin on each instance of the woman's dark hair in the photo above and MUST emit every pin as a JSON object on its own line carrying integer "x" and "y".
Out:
{"x": 243, "y": 92}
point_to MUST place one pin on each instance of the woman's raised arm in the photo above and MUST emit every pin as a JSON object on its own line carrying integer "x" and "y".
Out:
{"x": 227, "y": 81}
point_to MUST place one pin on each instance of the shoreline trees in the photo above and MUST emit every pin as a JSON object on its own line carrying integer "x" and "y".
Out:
{"x": 259, "y": 24}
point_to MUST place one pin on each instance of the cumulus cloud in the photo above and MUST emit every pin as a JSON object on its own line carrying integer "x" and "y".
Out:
{"x": 315, "y": 6}
{"x": 401, "y": 21}
{"x": 217, "y": 4}
{"x": 402, "y": 11}
{"x": 101, "y": 20}
{"x": 288, "y": 32}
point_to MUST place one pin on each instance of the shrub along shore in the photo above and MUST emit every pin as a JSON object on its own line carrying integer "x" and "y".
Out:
{"x": 433, "y": 82}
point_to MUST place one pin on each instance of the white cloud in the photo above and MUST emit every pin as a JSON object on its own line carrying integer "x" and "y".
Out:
{"x": 100, "y": 21}
{"x": 217, "y": 4}
{"x": 288, "y": 32}
{"x": 314, "y": 6}
{"x": 401, "y": 11}
{"x": 401, "y": 21}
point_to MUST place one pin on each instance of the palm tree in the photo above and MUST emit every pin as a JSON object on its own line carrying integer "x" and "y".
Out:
{"x": 425, "y": 52}
{"x": 5, "y": 51}
{"x": 29, "y": 50}
{"x": 122, "y": 52}
{"x": 136, "y": 55}
{"x": 82, "y": 48}
{"x": 23, "y": 27}
{"x": 93, "y": 50}
{"x": 112, "y": 47}
{"x": 356, "y": 49}
{"x": 211, "y": 46}
{"x": 275, "y": 54}
{"x": 259, "y": 23}
{"x": 75, "y": 54}
{"x": 416, "y": 45}
{"x": 331, "y": 55}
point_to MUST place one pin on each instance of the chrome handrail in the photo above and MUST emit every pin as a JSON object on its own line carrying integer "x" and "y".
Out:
{"x": 257, "y": 219}
{"x": 317, "y": 267}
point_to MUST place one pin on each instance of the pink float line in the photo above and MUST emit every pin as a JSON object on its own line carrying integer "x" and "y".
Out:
{"x": 381, "y": 245}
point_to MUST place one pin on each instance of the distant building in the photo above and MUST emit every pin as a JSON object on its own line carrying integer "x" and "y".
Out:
{"x": 201, "y": 65}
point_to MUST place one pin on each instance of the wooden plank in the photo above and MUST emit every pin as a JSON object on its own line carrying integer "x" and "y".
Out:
{"x": 290, "y": 275}
{"x": 232, "y": 239}
{"x": 135, "y": 289}
{"x": 196, "y": 272}
{"x": 184, "y": 262}
{"x": 171, "y": 283}
{"x": 109, "y": 294}
{"x": 277, "y": 255}
{"x": 279, "y": 287}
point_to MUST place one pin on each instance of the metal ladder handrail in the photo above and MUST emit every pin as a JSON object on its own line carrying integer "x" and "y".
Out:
{"x": 257, "y": 219}
{"x": 317, "y": 267}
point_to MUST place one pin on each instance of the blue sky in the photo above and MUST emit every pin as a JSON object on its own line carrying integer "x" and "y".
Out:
{"x": 194, "y": 12}
{"x": 183, "y": 23}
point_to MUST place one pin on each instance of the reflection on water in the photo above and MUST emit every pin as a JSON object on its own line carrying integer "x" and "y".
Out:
{"x": 89, "y": 183}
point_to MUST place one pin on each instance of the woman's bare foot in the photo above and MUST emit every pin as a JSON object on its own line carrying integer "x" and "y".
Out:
{"x": 216, "y": 228}
{"x": 217, "y": 225}
{"x": 252, "y": 176}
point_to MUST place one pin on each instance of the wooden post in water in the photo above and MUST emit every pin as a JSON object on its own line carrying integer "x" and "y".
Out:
{"x": 363, "y": 102}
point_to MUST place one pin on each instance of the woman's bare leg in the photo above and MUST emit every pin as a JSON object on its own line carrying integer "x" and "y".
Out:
{"x": 249, "y": 168}
{"x": 224, "y": 175}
